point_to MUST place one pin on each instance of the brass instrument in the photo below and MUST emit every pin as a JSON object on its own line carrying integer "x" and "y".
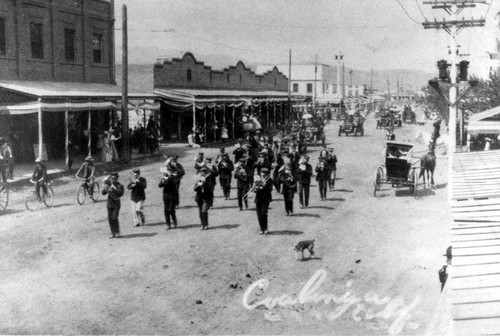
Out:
{"x": 200, "y": 181}
{"x": 258, "y": 185}
{"x": 288, "y": 179}
{"x": 109, "y": 187}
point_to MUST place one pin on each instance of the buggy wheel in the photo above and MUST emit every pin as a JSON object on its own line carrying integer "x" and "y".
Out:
{"x": 378, "y": 181}
{"x": 4, "y": 197}
{"x": 95, "y": 192}
{"x": 31, "y": 200}
{"x": 81, "y": 196}
{"x": 48, "y": 199}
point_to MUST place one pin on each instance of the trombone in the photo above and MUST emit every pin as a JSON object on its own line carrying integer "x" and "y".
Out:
{"x": 257, "y": 186}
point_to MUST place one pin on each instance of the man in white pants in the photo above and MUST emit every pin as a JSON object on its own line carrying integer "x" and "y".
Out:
{"x": 137, "y": 186}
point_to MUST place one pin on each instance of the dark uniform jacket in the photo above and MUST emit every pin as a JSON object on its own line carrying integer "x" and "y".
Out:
{"x": 241, "y": 177}
{"x": 304, "y": 176}
{"x": 238, "y": 153}
{"x": 137, "y": 189}
{"x": 205, "y": 192}
{"x": 169, "y": 185}
{"x": 332, "y": 161}
{"x": 264, "y": 194}
{"x": 114, "y": 195}
{"x": 261, "y": 164}
{"x": 322, "y": 172}
{"x": 225, "y": 170}
{"x": 40, "y": 172}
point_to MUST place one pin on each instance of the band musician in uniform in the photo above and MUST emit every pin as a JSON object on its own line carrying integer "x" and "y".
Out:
{"x": 322, "y": 177}
{"x": 137, "y": 188}
{"x": 226, "y": 168}
{"x": 241, "y": 173}
{"x": 114, "y": 190}
{"x": 170, "y": 195}
{"x": 304, "y": 174}
{"x": 289, "y": 182}
{"x": 204, "y": 189}
{"x": 263, "y": 188}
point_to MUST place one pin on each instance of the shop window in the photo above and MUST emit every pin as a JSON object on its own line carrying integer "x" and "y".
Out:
{"x": 69, "y": 45}
{"x": 309, "y": 88}
{"x": 36, "y": 39}
{"x": 295, "y": 87}
{"x": 189, "y": 75}
{"x": 228, "y": 78}
{"x": 97, "y": 47}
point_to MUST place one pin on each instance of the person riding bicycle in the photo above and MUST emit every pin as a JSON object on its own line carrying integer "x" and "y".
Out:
{"x": 88, "y": 169}
{"x": 39, "y": 177}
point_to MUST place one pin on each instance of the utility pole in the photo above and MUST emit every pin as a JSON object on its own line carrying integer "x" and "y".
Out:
{"x": 350, "y": 73}
{"x": 125, "y": 137}
{"x": 453, "y": 27}
{"x": 340, "y": 89}
{"x": 315, "y": 79}
{"x": 289, "y": 84}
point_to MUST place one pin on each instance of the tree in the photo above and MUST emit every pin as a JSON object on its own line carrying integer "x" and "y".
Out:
{"x": 434, "y": 102}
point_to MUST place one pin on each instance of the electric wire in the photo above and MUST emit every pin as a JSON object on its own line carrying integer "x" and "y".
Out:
{"x": 404, "y": 9}
{"x": 420, "y": 9}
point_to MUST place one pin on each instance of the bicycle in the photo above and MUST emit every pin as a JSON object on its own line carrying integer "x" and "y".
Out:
{"x": 32, "y": 201}
{"x": 83, "y": 191}
{"x": 4, "y": 196}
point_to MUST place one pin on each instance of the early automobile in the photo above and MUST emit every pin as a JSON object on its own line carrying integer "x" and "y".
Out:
{"x": 313, "y": 131}
{"x": 352, "y": 125}
{"x": 397, "y": 168}
{"x": 286, "y": 142}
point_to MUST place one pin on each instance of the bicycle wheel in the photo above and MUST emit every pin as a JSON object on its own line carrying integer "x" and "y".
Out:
{"x": 81, "y": 196}
{"x": 31, "y": 200}
{"x": 4, "y": 197}
{"x": 48, "y": 198}
{"x": 95, "y": 192}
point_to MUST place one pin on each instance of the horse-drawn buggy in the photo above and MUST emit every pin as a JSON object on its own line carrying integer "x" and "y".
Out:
{"x": 352, "y": 125}
{"x": 397, "y": 168}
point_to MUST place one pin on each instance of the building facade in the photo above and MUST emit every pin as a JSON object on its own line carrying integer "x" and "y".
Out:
{"x": 57, "y": 40}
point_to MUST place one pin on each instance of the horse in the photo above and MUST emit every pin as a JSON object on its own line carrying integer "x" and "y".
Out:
{"x": 427, "y": 166}
{"x": 426, "y": 138}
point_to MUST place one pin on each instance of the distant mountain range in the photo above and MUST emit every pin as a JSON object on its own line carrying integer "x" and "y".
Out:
{"x": 141, "y": 73}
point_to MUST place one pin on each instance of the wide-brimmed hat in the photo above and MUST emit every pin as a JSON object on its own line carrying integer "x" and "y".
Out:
{"x": 89, "y": 158}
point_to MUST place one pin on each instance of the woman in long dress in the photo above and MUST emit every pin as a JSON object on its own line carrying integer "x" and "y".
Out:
{"x": 106, "y": 148}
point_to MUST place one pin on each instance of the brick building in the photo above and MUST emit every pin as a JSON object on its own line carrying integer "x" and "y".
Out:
{"x": 194, "y": 95}
{"x": 57, "y": 74}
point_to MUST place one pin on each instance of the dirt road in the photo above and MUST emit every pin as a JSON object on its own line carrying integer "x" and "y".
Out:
{"x": 375, "y": 271}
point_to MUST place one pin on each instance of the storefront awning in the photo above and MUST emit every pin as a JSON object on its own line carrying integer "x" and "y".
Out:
{"x": 185, "y": 98}
{"x": 484, "y": 127}
{"x": 485, "y": 114}
{"x": 69, "y": 96}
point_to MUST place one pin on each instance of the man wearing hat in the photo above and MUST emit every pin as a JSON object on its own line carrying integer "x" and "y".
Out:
{"x": 200, "y": 161}
{"x": 87, "y": 171}
{"x": 178, "y": 171}
{"x": 239, "y": 151}
{"x": 114, "y": 190}
{"x": 39, "y": 177}
{"x": 322, "y": 176}
{"x": 262, "y": 162}
{"x": 289, "y": 182}
{"x": 304, "y": 174}
{"x": 218, "y": 158}
{"x": 137, "y": 187}
{"x": 226, "y": 168}
{"x": 204, "y": 189}
{"x": 214, "y": 172}
{"x": 241, "y": 174}
{"x": 276, "y": 180}
{"x": 263, "y": 197}
{"x": 331, "y": 160}
{"x": 170, "y": 195}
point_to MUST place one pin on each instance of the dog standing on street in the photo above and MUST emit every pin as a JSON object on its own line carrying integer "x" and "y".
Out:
{"x": 304, "y": 245}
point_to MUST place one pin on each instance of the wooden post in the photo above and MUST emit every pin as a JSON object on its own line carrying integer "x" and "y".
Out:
{"x": 234, "y": 108}
{"x": 66, "y": 129}
{"x": 144, "y": 139}
{"x": 40, "y": 133}
{"x": 214, "y": 117}
{"x": 125, "y": 137}
{"x": 267, "y": 118}
{"x": 274, "y": 114}
{"x": 90, "y": 135}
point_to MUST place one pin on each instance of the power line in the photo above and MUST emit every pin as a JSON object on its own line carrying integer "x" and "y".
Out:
{"x": 420, "y": 9}
{"x": 487, "y": 11}
{"x": 404, "y": 9}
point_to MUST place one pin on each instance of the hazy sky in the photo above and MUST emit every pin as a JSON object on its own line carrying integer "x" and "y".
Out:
{"x": 376, "y": 34}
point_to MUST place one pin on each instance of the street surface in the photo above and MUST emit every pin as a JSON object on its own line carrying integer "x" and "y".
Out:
{"x": 375, "y": 270}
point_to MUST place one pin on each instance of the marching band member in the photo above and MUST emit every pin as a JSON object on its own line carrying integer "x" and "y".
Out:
{"x": 204, "y": 189}
{"x": 304, "y": 173}
{"x": 170, "y": 195}
{"x": 289, "y": 182}
{"x": 200, "y": 160}
{"x": 322, "y": 176}
{"x": 239, "y": 151}
{"x": 279, "y": 163}
{"x": 226, "y": 168}
{"x": 263, "y": 197}
{"x": 218, "y": 158}
{"x": 241, "y": 175}
{"x": 137, "y": 196}
{"x": 114, "y": 190}
{"x": 214, "y": 172}
{"x": 178, "y": 171}
{"x": 331, "y": 160}
{"x": 262, "y": 162}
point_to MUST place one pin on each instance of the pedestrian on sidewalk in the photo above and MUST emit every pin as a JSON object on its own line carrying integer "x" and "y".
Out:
{"x": 224, "y": 133}
{"x": 137, "y": 187}
{"x": 170, "y": 195}
{"x": 263, "y": 198}
{"x": 9, "y": 159}
{"x": 114, "y": 190}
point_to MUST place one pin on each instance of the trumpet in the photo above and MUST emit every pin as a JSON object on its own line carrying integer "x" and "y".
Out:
{"x": 200, "y": 181}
